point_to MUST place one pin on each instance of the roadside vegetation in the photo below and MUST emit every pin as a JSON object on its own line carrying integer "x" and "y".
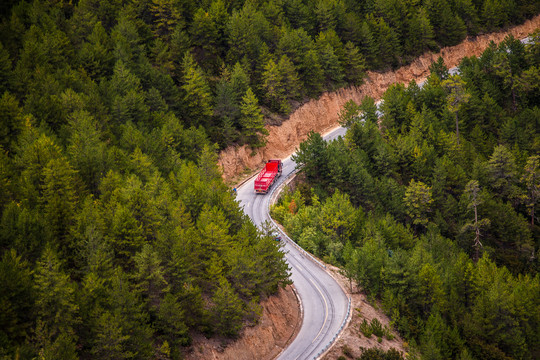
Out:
{"x": 436, "y": 224}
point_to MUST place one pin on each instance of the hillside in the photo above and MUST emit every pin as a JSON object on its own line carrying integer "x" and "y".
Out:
{"x": 118, "y": 236}
{"x": 430, "y": 208}
{"x": 321, "y": 114}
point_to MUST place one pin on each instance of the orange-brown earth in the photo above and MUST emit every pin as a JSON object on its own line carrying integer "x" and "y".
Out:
{"x": 279, "y": 323}
{"x": 351, "y": 340}
{"x": 322, "y": 114}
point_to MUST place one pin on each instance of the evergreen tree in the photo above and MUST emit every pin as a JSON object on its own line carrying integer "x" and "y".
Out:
{"x": 197, "y": 97}
{"x": 227, "y": 310}
{"x": 12, "y": 120}
{"x": 16, "y": 301}
{"x": 5, "y": 70}
{"x": 418, "y": 201}
{"x": 56, "y": 309}
{"x": 166, "y": 16}
{"x": 356, "y": 65}
{"x": 291, "y": 82}
{"x": 205, "y": 38}
{"x": 333, "y": 71}
{"x": 252, "y": 120}
{"x": 457, "y": 96}
{"x": 472, "y": 190}
{"x": 531, "y": 179}
{"x": 421, "y": 36}
{"x": 273, "y": 85}
{"x": 59, "y": 202}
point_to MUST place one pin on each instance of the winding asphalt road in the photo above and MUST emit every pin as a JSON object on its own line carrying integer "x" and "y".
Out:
{"x": 325, "y": 306}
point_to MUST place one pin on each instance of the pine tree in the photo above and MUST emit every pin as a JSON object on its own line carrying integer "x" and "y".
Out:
{"x": 472, "y": 190}
{"x": 252, "y": 120}
{"x": 56, "y": 309}
{"x": 355, "y": 68}
{"x": 273, "y": 86}
{"x": 291, "y": 82}
{"x": 16, "y": 300}
{"x": 86, "y": 149}
{"x": 457, "y": 96}
{"x": 150, "y": 276}
{"x": 12, "y": 120}
{"x": 96, "y": 53}
{"x": 502, "y": 169}
{"x": 59, "y": 202}
{"x": 368, "y": 45}
{"x": 109, "y": 340}
{"x": 205, "y": 37}
{"x": 5, "y": 70}
{"x": 531, "y": 179}
{"x": 197, "y": 96}
{"x": 333, "y": 71}
{"x": 418, "y": 200}
{"x": 312, "y": 73}
{"x": 166, "y": 17}
{"x": 421, "y": 36}
{"x": 227, "y": 310}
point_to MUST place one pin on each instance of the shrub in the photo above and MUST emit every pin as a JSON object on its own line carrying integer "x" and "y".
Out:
{"x": 377, "y": 328}
{"x": 365, "y": 328}
{"x": 347, "y": 351}
{"x": 388, "y": 333}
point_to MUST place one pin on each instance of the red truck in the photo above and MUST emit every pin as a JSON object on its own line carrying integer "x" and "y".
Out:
{"x": 268, "y": 175}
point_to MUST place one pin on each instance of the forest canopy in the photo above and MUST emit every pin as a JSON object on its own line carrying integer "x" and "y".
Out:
{"x": 429, "y": 205}
{"x": 118, "y": 237}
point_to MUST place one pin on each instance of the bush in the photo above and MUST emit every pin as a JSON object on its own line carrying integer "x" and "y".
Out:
{"x": 378, "y": 354}
{"x": 366, "y": 329}
{"x": 347, "y": 351}
{"x": 388, "y": 333}
{"x": 377, "y": 328}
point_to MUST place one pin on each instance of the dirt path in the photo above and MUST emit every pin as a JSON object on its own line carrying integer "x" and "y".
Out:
{"x": 322, "y": 114}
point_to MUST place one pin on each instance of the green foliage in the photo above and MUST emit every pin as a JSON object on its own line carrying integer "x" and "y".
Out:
{"x": 450, "y": 255}
{"x": 252, "y": 120}
{"x": 418, "y": 201}
{"x": 365, "y": 328}
{"x": 378, "y": 354}
{"x": 227, "y": 309}
{"x": 109, "y": 113}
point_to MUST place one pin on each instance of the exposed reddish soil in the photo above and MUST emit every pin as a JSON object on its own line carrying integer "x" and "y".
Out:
{"x": 352, "y": 338}
{"x": 322, "y": 114}
{"x": 279, "y": 324}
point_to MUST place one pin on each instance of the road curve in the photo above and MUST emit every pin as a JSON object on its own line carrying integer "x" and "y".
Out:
{"x": 325, "y": 306}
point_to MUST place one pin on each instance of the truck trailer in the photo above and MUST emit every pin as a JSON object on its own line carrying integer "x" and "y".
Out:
{"x": 268, "y": 175}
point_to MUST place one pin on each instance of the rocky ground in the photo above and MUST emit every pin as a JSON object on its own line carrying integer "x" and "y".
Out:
{"x": 351, "y": 340}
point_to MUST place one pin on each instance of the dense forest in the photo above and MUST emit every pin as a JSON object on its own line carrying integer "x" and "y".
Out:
{"x": 218, "y": 66}
{"x": 118, "y": 237}
{"x": 429, "y": 204}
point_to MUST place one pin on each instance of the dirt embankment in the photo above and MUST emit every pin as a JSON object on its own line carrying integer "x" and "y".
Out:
{"x": 279, "y": 323}
{"x": 322, "y": 114}
{"x": 351, "y": 340}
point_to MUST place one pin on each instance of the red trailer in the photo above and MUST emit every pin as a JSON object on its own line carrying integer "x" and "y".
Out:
{"x": 268, "y": 175}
